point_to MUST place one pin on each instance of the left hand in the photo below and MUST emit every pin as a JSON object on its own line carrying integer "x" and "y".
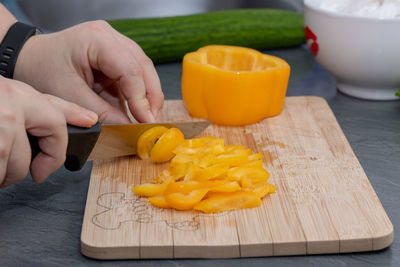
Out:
{"x": 96, "y": 67}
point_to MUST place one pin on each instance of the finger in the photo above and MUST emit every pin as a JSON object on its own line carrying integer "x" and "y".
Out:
{"x": 46, "y": 122}
{"x": 91, "y": 100}
{"x": 74, "y": 114}
{"x": 119, "y": 65}
{"x": 19, "y": 159}
{"x": 6, "y": 142}
{"x": 113, "y": 95}
{"x": 14, "y": 147}
{"x": 154, "y": 92}
{"x": 108, "y": 90}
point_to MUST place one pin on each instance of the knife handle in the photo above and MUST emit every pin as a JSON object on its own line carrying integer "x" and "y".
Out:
{"x": 80, "y": 143}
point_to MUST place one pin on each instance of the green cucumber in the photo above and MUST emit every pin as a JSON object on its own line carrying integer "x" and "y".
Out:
{"x": 168, "y": 39}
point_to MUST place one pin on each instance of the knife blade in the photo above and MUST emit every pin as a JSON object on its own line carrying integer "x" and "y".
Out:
{"x": 110, "y": 140}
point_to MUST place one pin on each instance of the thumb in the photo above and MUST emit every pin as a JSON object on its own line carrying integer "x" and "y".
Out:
{"x": 74, "y": 114}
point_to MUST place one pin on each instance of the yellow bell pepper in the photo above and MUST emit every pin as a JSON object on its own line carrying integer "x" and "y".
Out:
{"x": 162, "y": 149}
{"x": 204, "y": 174}
{"x": 248, "y": 175}
{"x": 162, "y": 177}
{"x": 232, "y": 85}
{"x": 149, "y": 190}
{"x": 229, "y": 201}
{"x": 184, "y": 187}
{"x": 147, "y": 140}
{"x": 262, "y": 189}
{"x": 225, "y": 187}
{"x": 211, "y": 172}
{"x": 159, "y": 201}
{"x": 181, "y": 201}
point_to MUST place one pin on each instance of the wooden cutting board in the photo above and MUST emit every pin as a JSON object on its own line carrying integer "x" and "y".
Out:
{"x": 324, "y": 202}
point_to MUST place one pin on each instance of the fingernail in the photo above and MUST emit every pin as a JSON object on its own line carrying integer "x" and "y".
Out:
{"x": 91, "y": 116}
{"x": 151, "y": 117}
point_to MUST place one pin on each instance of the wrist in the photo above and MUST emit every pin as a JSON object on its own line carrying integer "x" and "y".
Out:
{"x": 25, "y": 65}
{"x": 11, "y": 46}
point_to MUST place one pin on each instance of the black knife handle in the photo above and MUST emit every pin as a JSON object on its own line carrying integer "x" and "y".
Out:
{"x": 80, "y": 143}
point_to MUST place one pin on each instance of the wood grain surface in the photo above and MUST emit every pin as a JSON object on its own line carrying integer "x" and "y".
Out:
{"x": 324, "y": 202}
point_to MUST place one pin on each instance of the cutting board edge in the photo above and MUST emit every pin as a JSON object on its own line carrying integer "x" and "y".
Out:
{"x": 383, "y": 241}
{"x": 109, "y": 253}
{"x": 231, "y": 251}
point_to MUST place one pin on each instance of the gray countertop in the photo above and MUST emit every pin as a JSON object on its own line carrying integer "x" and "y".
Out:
{"x": 41, "y": 224}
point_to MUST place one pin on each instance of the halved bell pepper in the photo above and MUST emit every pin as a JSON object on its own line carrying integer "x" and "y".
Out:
{"x": 231, "y": 85}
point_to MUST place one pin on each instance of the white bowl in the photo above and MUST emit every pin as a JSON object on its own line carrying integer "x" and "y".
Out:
{"x": 362, "y": 53}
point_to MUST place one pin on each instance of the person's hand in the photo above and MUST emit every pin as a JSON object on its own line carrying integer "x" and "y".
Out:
{"x": 96, "y": 67}
{"x": 22, "y": 110}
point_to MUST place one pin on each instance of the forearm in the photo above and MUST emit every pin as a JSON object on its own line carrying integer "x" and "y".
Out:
{"x": 6, "y": 20}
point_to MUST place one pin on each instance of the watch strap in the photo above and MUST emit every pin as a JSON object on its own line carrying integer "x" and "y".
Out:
{"x": 11, "y": 45}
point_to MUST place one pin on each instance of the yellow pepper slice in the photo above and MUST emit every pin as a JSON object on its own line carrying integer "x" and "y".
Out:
{"x": 162, "y": 149}
{"x": 147, "y": 140}
{"x": 184, "y": 187}
{"x": 211, "y": 172}
{"x": 198, "y": 142}
{"x": 182, "y": 201}
{"x": 159, "y": 201}
{"x": 253, "y": 164}
{"x": 225, "y": 187}
{"x": 149, "y": 190}
{"x": 232, "y": 159}
{"x": 262, "y": 189}
{"x": 179, "y": 170}
{"x": 248, "y": 175}
{"x": 162, "y": 177}
{"x": 255, "y": 156}
{"x": 229, "y": 201}
{"x": 232, "y": 85}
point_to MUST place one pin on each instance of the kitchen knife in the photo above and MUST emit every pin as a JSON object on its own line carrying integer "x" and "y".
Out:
{"x": 110, "y": 140}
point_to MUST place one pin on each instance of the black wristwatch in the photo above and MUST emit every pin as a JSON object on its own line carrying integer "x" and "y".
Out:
{"x": 12, "y": 44}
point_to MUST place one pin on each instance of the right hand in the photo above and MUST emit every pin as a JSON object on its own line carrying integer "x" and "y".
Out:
{"x": 22, "y": 110}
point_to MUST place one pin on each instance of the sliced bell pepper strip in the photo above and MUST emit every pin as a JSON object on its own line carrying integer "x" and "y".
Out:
{"x": 229, "y": 201}
{"x": 159, "y": 201}
{"x": 182, "y": 201}
{"x": 149, "y": 190}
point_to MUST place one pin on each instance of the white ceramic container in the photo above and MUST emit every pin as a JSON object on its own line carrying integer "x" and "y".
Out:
{"x": 362, "y": 53}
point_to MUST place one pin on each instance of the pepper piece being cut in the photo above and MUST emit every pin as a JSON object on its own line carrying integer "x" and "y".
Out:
{"x": 168, "y": 141}
{"x": 147, "y": 140}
